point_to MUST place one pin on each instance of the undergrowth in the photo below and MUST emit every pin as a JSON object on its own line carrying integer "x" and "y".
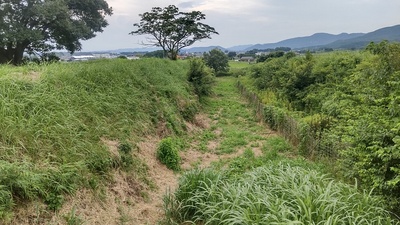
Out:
{"x": 55, "y": 117}
{"x": 274, "y": 194}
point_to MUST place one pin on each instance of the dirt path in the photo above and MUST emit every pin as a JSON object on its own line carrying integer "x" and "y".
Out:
{"x": 225, "y": 132}
{"x": 228, "y": 128}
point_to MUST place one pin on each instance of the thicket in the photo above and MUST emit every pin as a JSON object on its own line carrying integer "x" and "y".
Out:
{"x": 200, "y": 77}
{"x": 54, "y": 118}
{"x": 342, "y": 105}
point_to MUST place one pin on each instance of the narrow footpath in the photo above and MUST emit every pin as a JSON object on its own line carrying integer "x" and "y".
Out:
{"x": 225, "y": 130}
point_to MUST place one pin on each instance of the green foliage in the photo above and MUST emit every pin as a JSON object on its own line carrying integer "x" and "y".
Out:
{"x": 217, "y": 60}
{"x": 173, "y": 30}
{"x": 277, "y": 194}
{"x": 200, "y": 77}
{"x": 349, "y": 110}
{"x": 6, "y": 203}
{"x": 270, "y": 55}
{"x": 125, "y": 152}
{"x": 168, "y": 154}
{"x": 277, "y": 143}
{"x": 54, "y": 118}
{"x": 40, "y": 26}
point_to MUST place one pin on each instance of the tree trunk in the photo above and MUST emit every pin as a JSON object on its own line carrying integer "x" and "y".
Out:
{"x": 173, "y": 55}
{"x": 19, "y": 53}
{"x": 13, "y": 54}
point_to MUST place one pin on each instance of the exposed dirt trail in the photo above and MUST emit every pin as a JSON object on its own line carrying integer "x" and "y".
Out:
{"x": 225, "y": 132}
{"x": 215, "y": 121}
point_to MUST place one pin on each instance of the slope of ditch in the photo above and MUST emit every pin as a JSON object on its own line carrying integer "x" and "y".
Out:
{"x": 224, "y": 130}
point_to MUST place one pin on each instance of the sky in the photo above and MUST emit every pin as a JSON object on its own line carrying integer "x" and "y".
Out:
{"x": 243, "y": 22}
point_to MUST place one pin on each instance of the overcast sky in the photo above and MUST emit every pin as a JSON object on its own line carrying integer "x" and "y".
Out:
{"x": 242, "y": 22}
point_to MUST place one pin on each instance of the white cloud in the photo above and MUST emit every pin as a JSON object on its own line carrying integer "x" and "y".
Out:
{"x": 254, "y": 21}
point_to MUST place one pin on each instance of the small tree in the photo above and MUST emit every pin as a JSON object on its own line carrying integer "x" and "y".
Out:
{"x": 217, "y": 60}
{"x": 173, "y": 30}
{"x": 232, "y": 55}
{"x": 200, "y": 77}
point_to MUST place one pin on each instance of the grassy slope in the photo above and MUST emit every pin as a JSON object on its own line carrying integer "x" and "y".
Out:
{"x": 53, "y": 120}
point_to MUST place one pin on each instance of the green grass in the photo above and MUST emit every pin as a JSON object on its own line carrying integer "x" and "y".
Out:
{"x": 275, "y": 194}
{"x": 278, "y": 187}
{"x": 231, "y": 116}
{"x": 238, "y": 64}
{"x": 53, "y": 118}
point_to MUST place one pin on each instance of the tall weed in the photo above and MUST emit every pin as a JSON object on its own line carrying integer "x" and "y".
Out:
{"x": 54, "y": 117}
{"x": 276, "y": 194}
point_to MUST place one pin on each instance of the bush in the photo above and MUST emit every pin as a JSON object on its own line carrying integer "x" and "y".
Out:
{"x": 167, "y": 153}
{"x": 200, "y": 77}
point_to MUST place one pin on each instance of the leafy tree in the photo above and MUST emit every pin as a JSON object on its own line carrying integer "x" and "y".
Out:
{"x": 173, "y": 30}
{"x": 200, "y": 77}
{"x": 40, "y": 26}
{"x": 232, "y": 55}
{"x": 217, "y": 60}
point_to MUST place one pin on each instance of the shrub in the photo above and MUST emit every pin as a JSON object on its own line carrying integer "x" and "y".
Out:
{"x": 200, "y": 77}
{"x": 167, "y": 153}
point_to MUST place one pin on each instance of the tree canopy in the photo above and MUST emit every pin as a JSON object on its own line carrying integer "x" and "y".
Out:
{"x": 171, "y": 29}
{"x": 43, "y": 25}
{"x": 217, "y": 60}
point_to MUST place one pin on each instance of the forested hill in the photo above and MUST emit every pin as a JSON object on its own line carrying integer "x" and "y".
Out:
{"x": 339, "y": 41}
{"x": 387, "y": 33}
{"x": 308, "y": 41}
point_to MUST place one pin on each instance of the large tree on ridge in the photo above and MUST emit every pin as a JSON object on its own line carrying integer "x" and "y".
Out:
{"x": 173, "y": 30}
{"x": 43, "y": 25}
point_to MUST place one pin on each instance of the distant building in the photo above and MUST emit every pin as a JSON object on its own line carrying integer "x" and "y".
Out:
{"x": 81, "y": 57}
{"x": 247, "y": 59}
{"x": 102, "y": 55}
{"x": 133, "y": 57}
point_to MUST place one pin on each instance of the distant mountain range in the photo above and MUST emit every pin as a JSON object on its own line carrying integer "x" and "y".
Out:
{"x": 340, "y": 41}
{"x": 387, "y": 33}
{"x": 315, "y": 41}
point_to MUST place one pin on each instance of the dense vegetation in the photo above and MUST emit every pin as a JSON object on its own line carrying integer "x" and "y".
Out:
{"x": 340, "y": 105}
{"x": 267, "y": 182}
{"x": 56, "y": 119}
{"x": 274, "y": 194}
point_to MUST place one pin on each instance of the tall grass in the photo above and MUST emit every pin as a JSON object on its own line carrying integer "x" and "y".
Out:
{"x": 52, "y": 120}
{"x": 275, "y": 194}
